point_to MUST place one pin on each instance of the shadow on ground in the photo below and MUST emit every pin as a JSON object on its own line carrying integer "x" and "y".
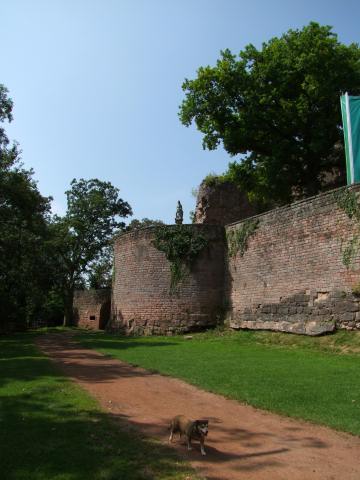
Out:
{"x": 51, "y": 429}
{"x": 100, "y": 340}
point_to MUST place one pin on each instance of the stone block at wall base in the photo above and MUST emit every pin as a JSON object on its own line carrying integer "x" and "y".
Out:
{"x": 323, "y": 312}
{"x": 311, "y": 327}
{"x": 143, "y": 327}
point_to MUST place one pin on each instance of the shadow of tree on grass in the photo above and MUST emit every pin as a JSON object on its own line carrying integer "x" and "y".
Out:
{"x": 51, "y": 430}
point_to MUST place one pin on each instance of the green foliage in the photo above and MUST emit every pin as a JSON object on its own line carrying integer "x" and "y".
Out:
{"x": 347, "y": 200}
{"x": 238, "y": 237}
{"x": 278, "y": 107}
{"x": 42, "y": 260}
{"x": 212, "y": 180}
{"x": 325, "y": 388}
{"x": 6, "y": 106}
{"x": 53, "y": 430}
{"x": 250, "y": 183}
{"x": 350, "y": 251}
{"x": 100, "y": 274}
{"x": 52, "y": 311}
{"x": 25, "y": 267}
{"x": 181, "y": 244}
{"x": 135, "y": 224}
{"x": 81, "y": 239}
{"x": 356, "y": 290}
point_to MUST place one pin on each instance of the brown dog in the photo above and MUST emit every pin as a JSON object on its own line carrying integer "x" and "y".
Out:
{"x": 193, "y": 429}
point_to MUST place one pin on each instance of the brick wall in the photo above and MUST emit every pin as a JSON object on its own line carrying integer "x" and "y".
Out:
{"x": 141, "y": 302}
{"x": 92, "y": 308}
{"x": 291, "y": 277}
{"x": 222, "y": 203}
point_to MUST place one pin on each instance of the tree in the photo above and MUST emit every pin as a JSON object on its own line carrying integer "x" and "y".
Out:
{"x": 279, "y": 107}
{"x": 100, "y": 275}
{"x": 81, "y": 239}
{"x": 6, "y": 106}
{"x": 25, "y": 276}
{"x": 135, "y": 224}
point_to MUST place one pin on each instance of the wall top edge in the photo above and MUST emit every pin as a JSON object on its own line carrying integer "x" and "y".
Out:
{"x": 144, "y": 230}
{"x": 289, "y": 206}
{"x": 91, "y": 291}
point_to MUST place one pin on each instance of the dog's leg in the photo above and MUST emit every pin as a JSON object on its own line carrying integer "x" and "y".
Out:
{"x": 189, "y": 447}
{"x": 202, "y": 446}
{"x": 171, "y": 434}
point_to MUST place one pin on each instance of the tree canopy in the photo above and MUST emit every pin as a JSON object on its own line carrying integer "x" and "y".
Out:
{"x": 25, "y": 275}
{"x": 44, "y": 258}
{"x": 279, "y": 107}
{"x": 81, "y": 238}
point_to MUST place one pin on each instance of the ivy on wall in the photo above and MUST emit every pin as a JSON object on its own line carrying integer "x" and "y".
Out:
{"x": 347, "y": 200}
{"x": 237, "y": 239}
{"x": 181, "y": 244}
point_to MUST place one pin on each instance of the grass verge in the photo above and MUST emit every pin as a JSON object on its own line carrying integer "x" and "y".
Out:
{"x": 314, "y": 379}
{"x": 50, "y": 429}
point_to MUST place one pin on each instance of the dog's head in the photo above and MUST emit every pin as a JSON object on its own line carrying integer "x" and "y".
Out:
{"x": 202, "y": 427}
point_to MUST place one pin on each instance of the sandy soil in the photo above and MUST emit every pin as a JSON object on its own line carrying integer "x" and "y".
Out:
{"x": 243, "y": 443}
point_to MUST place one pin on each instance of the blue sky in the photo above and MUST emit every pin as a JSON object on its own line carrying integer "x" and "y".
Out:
{"x": 97, "y": 86}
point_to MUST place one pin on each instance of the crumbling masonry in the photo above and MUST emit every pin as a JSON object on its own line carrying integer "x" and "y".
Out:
{"x": 288, "y": 276}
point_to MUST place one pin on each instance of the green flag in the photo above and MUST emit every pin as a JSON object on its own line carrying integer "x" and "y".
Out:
{"x": 350, "y": 111}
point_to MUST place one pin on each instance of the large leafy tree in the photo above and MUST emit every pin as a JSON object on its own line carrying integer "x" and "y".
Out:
{"x": 279, "y": 107}
{"x": 81, "y": 238}
{"x": 25, "y": 272}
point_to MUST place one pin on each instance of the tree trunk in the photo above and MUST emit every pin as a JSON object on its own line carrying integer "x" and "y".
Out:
{"x": 68, "y": 309}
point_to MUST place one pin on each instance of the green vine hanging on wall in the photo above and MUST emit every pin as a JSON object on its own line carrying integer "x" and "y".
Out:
{"x": 347, "y": 201}
{"x": 237, "y": 239}
{"x": 181, "y": 244}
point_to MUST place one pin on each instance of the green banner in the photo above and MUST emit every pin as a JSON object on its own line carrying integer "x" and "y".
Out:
{"x": 350, "y": 111}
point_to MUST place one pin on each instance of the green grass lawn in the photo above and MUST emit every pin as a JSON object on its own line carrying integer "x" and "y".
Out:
{"x": 315, "y": 379}
{"x": 52, "y": 430}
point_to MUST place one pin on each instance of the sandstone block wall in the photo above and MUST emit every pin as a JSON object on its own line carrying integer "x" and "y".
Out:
{"x": 92, "y": 308}
{"x": 221, "y": 204}
{"x": 141, "y": 299}
{"x": 292, "y": 277}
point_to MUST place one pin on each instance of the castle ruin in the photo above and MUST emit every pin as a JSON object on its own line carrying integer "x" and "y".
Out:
{"x": 285, "y": 273}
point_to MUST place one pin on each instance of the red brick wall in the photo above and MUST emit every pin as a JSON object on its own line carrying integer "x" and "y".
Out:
{"x": 92, "y": 308}
{"x": 291, "y": 277}
{"x": 141, "y": 302}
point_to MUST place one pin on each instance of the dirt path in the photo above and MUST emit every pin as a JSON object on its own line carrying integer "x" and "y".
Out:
{"x": 243, "y": 443}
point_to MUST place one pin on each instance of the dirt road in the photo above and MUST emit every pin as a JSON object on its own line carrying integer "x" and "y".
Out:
{"x": 243, "y": 443}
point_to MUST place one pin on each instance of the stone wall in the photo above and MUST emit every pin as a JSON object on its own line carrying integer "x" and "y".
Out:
{"x": 291, "y": 276}
{"x": 92, "y": 308}
{"x": 222, "y": 203}
{"x": 141, "y": 298}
